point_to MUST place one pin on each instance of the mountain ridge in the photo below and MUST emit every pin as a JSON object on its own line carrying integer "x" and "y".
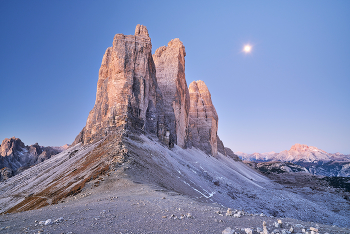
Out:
{"x": 313, "y": 160}
{"x": 297, "y": 152}
{"x": 15, "y": 156}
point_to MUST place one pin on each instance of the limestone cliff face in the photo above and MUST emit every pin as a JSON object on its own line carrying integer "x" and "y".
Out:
{"x": 170, "y": 66}
{"x": 203, "y": 119}
{"x": 127, "y": 91}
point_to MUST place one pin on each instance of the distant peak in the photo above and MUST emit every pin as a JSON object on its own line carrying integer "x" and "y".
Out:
{"x": 141, "y": 30}
{"x": 299, "y": 147}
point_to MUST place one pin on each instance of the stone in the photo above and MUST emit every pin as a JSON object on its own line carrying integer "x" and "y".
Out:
{"x": 59, "y": 220}
{"x": 170, "y": 72}
{"x": 229, "y": 212}
{"x": 248, "y": 231}
{"x": 48, "y": 222}
{"x": 128, "y": 96}
{"x": 284, "y": 231}
{"x": 228, "y": 230}
{"x": 277, "y": 225}
{"x": 237, "y": 215}
{"x": 203, "y": 119}
{"x": 313, "y": 229}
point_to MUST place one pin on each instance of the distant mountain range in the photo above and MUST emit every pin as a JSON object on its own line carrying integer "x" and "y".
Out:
{"x": 314, "y": 160}
{"x": 16, "y": 157}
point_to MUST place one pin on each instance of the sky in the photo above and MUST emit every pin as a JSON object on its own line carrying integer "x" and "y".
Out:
{"x": 293, "y": 87}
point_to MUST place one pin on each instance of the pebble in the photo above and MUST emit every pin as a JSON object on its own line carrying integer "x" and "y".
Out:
{"x": 48, "y": 222}
{"x": 228, "y": 230}
{"x": 60, "y": 219}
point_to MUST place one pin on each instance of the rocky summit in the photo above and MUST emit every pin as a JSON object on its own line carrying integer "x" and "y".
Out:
{"x": 150, "y": 152}
{"x": 16, "y": 157}
{"x": 170, "y": 66}
{"x": 203, "y": 119}
{"x": 127, "y": 95}
{"x": 139, "y": 91}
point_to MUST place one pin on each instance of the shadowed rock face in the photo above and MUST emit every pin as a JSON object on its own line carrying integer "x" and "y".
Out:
{"x": 16, "y": 157}
{"x": 170, "y": 65}
{"x": 203, "y": 119}
{"x": 127, "y": 91}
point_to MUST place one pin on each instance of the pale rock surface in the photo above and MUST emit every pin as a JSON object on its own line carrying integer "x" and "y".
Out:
{"x": 203, "y": 119}
{"x": 127, "y": 95}
{"x": 170, "y": 66}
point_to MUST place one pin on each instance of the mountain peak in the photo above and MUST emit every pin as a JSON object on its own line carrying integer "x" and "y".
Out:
{"x": 299, "y": 147}
{"x": 9, "y": 145}
{"x": 141, "y": 30}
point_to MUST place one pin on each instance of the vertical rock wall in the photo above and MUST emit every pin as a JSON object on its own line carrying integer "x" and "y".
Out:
{"x": 170, "y": 66}
{"x": 128, "y": 96}
{"x": 127, "y": 91}
{"x": 203, "y": 119}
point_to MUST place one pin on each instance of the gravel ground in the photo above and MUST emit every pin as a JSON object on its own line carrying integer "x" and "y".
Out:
{"x": 119, "y": 205}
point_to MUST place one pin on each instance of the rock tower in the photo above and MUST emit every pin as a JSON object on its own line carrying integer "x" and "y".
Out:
{"x": 170, "y": 66}
{"x": 203, "y": 119}
{"x": 127, "y": 95}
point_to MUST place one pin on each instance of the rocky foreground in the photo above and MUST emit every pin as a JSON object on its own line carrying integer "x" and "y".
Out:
{"x": 119, "y": 205}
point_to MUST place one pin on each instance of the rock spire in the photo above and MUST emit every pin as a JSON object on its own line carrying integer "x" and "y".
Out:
{"x": 170, "y": 66}
{"x": 127, "y": 91}
{"x": 203, "y": 119}
{"x": 149, "y": 94}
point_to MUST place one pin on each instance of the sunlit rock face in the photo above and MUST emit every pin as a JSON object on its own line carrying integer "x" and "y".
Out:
{"x": 203, "y": 119}
{"x": 170, "y": 66}
{"x": 127, "y": 91}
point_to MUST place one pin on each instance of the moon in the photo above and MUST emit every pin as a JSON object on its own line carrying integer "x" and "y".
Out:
{"x": 247, "y": 48}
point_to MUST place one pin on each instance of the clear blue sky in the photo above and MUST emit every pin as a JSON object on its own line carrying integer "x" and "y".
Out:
{"x": 293, "y": 88}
